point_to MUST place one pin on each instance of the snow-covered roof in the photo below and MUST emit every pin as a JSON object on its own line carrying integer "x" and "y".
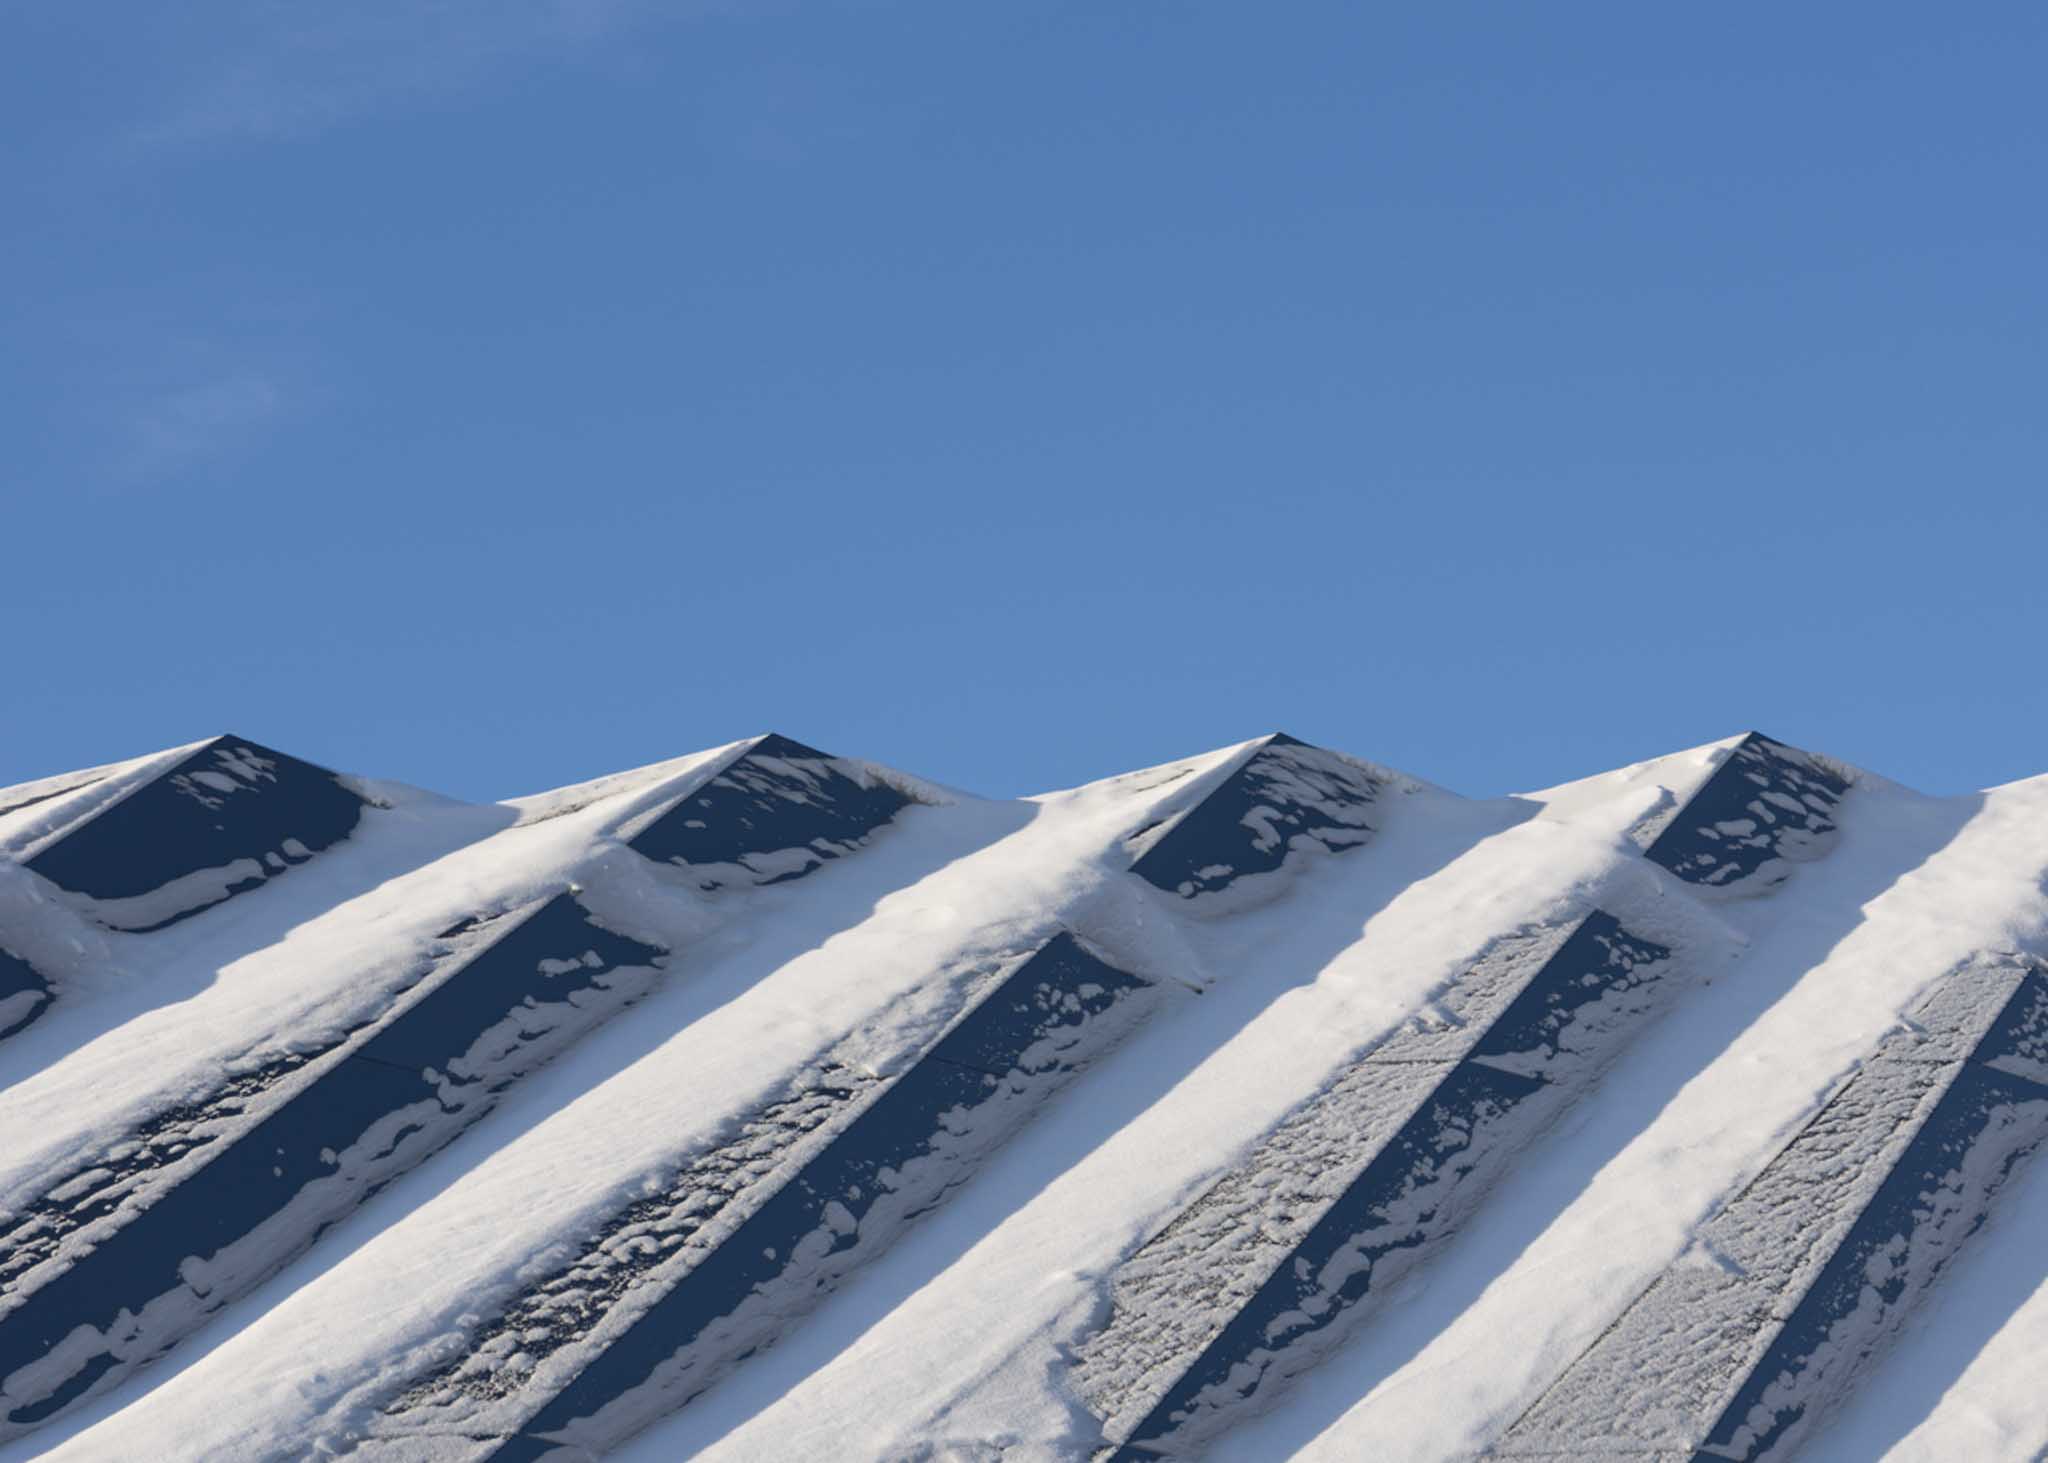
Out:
{"x": 769, "y": 1104}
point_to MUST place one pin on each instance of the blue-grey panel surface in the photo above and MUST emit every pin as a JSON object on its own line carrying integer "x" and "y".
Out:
{"x": 775, "y": 814}
{"x": 1286, "y": 791}
{"x": 233, "y": 808}
{"x": 265, "y": 1195}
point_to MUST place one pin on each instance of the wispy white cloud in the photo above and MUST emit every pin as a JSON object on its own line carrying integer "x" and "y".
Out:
{"x": 286, "y": 68}
{"x": 203, "y": 419}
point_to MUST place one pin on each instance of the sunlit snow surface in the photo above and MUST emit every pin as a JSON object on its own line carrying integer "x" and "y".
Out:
{"x": 768, "y": 1104}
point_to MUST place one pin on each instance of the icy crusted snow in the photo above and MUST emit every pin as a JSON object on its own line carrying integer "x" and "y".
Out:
{"x": 655, "y": 1314}
{"x": 1734, "y": 1346}
{"x": 1251, "y": 1283}
{"x": 1348, "y": 911}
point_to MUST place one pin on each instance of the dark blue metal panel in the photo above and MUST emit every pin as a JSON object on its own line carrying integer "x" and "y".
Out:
{"x": 1766, "y": 802}
{"x": 523, "y": 967}
{"x": 309, "y": 1155}
{"x": 1598, "y": 958}
{"x": 232, "y": 805}
{"x": 19, "y": 979}
{"x": 2018, "y": 1039}
{"x": 779, "y": 796}
{"x": 1247, "y": 824}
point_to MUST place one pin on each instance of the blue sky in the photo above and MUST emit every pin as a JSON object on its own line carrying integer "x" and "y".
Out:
{"x": 492, "y": 393}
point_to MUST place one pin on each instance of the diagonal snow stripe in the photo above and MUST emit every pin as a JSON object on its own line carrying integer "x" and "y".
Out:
{"x": 922, "y": 1137}
{"x": 372, "y": 1110}
{"x": 27, "y": 795}
{"x": 677, "y": 1290}
{"x": 222, "y": 821}
{"x": 1752, "y": 1334}
{"x": 1246, "y": 1287}
{"x": 24, "y": 994}
{"x": 689, "y": 1215}
{"x": 1765, "y": 805}
{"x": 1285, "y": 795}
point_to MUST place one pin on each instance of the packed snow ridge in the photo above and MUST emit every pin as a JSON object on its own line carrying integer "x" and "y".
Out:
{"x": 1267, "y": 1104}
